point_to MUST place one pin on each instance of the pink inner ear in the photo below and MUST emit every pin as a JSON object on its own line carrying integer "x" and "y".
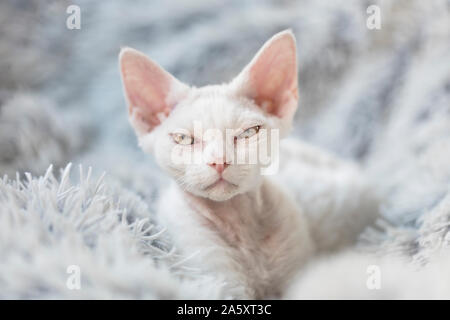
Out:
{"x": 273, "y": 76}
{"x": 147, "y": 86}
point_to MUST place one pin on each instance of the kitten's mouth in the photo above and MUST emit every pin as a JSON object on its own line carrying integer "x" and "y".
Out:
{"x": 219, "y": 182}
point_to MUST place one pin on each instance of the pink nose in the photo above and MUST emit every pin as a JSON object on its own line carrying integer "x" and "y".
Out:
{"x": 219, "y": 166}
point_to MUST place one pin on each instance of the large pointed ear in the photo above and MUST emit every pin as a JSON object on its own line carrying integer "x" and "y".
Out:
{"x": 150, "y": 91}
{"x": 270, "y": 79}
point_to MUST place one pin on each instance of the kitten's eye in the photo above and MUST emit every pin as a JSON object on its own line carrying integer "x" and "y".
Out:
{"x": 183, "y": 139}
{"x": 249, "y": 132}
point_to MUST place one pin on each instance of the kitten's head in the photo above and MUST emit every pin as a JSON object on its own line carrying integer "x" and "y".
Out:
{"x": 206, "y": 138}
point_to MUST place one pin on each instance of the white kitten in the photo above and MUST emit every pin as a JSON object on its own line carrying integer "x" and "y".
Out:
{"x": 228, "y": 218}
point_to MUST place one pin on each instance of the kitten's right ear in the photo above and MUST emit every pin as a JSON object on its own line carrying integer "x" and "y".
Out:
{"x": 150, "y": 91}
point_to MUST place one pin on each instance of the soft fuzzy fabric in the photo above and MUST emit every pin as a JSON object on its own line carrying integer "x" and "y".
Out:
{"x": 34, "y": 134}
{"x": 49, "y": 224}
{"x": 379, "y": 97}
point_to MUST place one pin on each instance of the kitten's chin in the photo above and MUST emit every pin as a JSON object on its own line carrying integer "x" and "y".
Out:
{"x": 223, "y": 190}
{"x": 222, "y": 196}
{"x": 218, "y": 191}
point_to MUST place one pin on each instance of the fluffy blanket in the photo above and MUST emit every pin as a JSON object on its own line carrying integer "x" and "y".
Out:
{"x": 378, "y": 97}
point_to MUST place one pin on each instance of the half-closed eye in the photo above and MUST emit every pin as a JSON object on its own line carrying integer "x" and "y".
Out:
{"x": 249, "y": 132}
{"x": 181, "y": 138}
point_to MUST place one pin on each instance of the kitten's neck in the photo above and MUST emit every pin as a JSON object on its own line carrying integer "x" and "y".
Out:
{"x": 229, "y": 217}
{"x": 237, "y": 205}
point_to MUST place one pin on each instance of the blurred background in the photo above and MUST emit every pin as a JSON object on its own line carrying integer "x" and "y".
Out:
{"x": 379, "y": 97}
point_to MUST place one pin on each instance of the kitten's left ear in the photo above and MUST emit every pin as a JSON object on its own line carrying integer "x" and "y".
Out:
{"x": 271, "y": 77}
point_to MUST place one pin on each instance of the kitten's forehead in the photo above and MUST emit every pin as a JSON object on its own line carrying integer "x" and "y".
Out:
{"x": 215, "y": 107}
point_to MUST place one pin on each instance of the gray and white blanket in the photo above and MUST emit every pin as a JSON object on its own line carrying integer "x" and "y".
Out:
{"x": 378, "y": 97}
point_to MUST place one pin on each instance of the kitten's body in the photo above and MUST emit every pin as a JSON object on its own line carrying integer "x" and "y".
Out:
{"x": 256, "y": 241}
{"x": 334, "y": 194}
{"x": 224, "y": 216}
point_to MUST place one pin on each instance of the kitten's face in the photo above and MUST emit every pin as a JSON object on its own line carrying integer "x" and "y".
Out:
{"x": 209, "y": 139}
{"x": 212, "y": 126}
